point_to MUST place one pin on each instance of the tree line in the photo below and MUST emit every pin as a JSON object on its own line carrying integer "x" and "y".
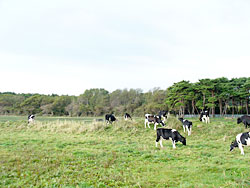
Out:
{"x": 219, "y": 96}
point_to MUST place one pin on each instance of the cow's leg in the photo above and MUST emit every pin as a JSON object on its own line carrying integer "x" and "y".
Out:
{"x": 208, "y": 119}
{"x": 148, "y": 124}
{"x": 173, "y": 141}
{"x": 155, "y": 125}
{"x": 161, "y": 142}
{"x": 146, "y": 121}
{"x": 245, "y": 123}
{"x": 190, "y": 130}
{"x": 241, "y": 148}
{"x": 157, "y": 139}
{"x": 183, "y": 128}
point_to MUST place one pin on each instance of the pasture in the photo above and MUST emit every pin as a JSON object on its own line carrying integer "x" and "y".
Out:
{"x": 77, "y": 152}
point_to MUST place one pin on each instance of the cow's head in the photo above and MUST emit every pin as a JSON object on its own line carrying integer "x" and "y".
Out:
{"x": 233, "y": 145}
{"x": 184, "y": 141}
{"x": 181, "y": 119}
{"x": 201, "y": 115}
{"x": 239, "y": 120}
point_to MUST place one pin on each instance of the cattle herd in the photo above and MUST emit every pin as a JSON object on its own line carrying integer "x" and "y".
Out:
{"x": 242, "y": 139}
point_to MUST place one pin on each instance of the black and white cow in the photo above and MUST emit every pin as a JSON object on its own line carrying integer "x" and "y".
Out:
{"x": 186, "y": 124}
{"x": 169, "y": 134}
{"x": 31, "y": 118}
{"x": 242, "y": 139}
{"x": 244, "y": 119}
{"x": 163, "y": 114}
{"x": 149, "y": 118}
{"x": 126, "y": 116}
{"x": 204, "y": 116}
{"x": 110, "y": 118}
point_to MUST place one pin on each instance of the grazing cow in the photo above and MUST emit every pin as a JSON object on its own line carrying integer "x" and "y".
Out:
{"x": 244, "y": 119}
{"x": 163, "y": 114}
{"x": 242, "y": 139}
{"x": 169, "y": 134}
{"x": 204, "y": 116}
{"x": 149, "y": 118}
{"x": 126, "y": 116}
{"x": 110, "y": 118}
{"x": 186, "y": 124}
{"x": 31, "y": 118}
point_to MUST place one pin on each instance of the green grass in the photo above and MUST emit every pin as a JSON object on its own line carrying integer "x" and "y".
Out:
{"x": 76, "y": 153}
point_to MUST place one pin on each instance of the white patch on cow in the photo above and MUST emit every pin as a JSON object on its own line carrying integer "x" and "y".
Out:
{"x": 239, "y": 143}
{"x": 31, "y": 120}
{"x": 173, "y": 130}
{"x": 184, "y": 128}
{"x": 184, "y": 120}
{"x": 248, "y": 141}
{"x": 164, "y": 119}
{"x": 205, "y": 119}
{"x": 238, "y": 138}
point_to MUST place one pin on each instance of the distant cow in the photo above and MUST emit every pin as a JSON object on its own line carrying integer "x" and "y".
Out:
{"x": 204, "y": 116}
{"x": 126, "y": 116}
{"x": 149, "y": 118}
{"x": 169, "y": 134}
{"x": 163, "y": 114}
{"x": 242, "y": 139}
{"x": 244, "y": 119}
{"x": 186, "y": 124}
{"x": 110, "y": 118}
{"x": 31, "y": 118}
{"x": 98, "y": 120}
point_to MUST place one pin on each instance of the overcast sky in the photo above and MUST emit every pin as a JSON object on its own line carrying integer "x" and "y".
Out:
{"x": 68, "y": 46}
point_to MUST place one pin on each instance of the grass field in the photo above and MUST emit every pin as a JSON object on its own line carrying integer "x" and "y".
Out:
{"x": 64, "y": 152}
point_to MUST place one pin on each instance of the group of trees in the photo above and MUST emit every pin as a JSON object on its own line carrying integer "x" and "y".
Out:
{"x": 221, "y": 96}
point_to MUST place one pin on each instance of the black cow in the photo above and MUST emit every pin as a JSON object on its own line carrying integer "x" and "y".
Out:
{"x": 163, "y": 114}
{"x": 31, "y": 118}
{"x": 126, "y": 116}
{"x": 204, "y": 116}
{"x": 167, "y": 134}
{"x": 110, "y": 118}
{"x": 242, "y": 139}
{"x": 149, "y": 118}
{"x": 244, "y": 119}
{"x": 186, "y": 124}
